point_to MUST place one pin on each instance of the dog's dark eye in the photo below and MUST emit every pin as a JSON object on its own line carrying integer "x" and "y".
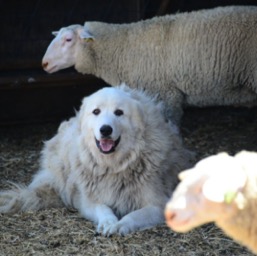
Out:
{"x": 96, "y": 111}
{"x": 118, "y": 112}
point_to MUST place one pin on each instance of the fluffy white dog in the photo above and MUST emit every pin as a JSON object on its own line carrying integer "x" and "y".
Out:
{"x": 116, "y": 162}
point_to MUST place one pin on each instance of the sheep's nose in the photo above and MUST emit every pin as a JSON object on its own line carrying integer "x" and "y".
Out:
{"x": 45, "y": 64}
{"x": 169, "y": 215}
{"x": 106, "y": 130}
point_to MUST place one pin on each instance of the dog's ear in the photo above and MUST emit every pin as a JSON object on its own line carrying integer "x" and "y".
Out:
{"x": 81, "y": 113}
{"x": 138, "y": 113}
{"x": 137, "y": 105}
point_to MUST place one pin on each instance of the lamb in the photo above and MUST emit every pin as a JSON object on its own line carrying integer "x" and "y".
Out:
{"x": 220, "y": 189}
{"x": 202, "y": 58}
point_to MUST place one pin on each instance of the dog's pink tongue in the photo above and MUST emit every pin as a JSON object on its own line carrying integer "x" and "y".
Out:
{"x": 106, "y": 145}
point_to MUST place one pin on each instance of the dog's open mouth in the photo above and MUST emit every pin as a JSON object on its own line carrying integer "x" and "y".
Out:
{"x": 107, "y": 145}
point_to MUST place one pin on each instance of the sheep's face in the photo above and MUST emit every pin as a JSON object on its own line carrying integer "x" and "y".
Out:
{"x": 205, "y": 194}
{"x": 189, "y": 208}
{"x": 60, "y": 53}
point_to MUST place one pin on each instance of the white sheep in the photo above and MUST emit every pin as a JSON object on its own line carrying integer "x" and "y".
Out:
{"x": 220, "y": 189}
{"x": 202, "y": 58}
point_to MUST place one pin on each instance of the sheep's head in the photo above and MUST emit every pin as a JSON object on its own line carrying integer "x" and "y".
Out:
{"x": 206, "y": 193}
{"x": 61, "y": 53}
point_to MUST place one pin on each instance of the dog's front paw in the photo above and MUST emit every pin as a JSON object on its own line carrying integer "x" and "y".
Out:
{"x": 120, "y": 229}
{"x": 105, "y": 225}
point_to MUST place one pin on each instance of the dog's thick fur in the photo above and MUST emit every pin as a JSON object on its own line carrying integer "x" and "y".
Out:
{"x": 116, "y": 162}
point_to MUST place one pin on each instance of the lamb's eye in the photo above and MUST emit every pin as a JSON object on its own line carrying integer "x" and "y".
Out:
{"x": 68, "y": 39}
{"x": 118, "y": 112}
{"x": 96, "y": 111}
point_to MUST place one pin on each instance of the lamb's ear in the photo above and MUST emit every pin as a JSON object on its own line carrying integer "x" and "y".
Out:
{"x": 182, "y": 175}
{"x": 213, "y": 191}
{"x": 86, "y": 35}
{"x": 224, "y": 189}
{"x": 55, "y": 33}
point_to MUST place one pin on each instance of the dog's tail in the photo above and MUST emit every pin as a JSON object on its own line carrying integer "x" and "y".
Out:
{"x": 22, "y": 198}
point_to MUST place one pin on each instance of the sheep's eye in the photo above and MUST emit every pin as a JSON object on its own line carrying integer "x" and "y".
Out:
{"x": 118, "y": 112}
{"x": 96, "y": 111}
{"x": 68, "y": 39}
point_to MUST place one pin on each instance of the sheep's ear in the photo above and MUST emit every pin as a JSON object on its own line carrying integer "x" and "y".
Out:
{"x": 224, "y": 189}
{"x": 86, "y": 35}
{"x": 182, "y": 175}
{"x": 212, "y": 191}
{"x": 55, "y": 33}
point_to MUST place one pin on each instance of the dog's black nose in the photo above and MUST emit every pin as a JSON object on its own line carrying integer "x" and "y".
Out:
{"x": 106, "y": 130}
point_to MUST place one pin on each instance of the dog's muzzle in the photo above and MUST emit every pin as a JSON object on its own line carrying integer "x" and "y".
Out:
{"x": 107, "y": 145}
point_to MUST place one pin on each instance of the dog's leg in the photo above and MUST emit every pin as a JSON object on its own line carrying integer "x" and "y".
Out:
{"x": 38, "y": 195}
{"x": 146, "y": 217}
{"x": 100, "y": 214}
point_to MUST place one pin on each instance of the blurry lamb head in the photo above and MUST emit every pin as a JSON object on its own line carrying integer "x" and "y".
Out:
{"x": 206, "y": 193}
{"x": 60, "y": 54}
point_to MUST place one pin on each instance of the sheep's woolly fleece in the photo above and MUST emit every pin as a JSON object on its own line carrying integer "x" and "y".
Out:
{"x": 202, "y": 58}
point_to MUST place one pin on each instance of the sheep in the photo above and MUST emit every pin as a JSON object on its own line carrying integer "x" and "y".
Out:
{"x": 203, "y": 58}
{"x": 220, "y": 189}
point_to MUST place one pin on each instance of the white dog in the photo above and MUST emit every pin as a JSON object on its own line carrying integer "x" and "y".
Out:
{"x": 116, "y": 162}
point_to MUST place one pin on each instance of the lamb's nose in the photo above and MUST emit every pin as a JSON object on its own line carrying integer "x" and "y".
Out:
{"x": 169, "y": 215}
{"x": 106, "y": 130}
{"x": 44, "y": 65}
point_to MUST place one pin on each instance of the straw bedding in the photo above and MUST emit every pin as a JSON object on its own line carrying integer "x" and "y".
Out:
{"x": 64, "y": 232}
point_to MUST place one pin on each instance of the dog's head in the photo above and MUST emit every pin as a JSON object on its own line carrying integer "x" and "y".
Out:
{"x": 111, "y": 123}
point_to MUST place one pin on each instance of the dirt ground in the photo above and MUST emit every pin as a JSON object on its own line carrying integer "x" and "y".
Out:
{"x": 64, "y": 232}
